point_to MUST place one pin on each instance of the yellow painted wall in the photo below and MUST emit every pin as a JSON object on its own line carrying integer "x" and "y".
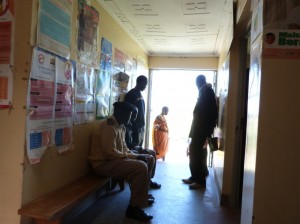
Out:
{"x": 224, "y": 161}
{"x": 271, "y": 177}
{"x": 12, "y": 123}
{"x": 241, "y": 4}
{"x": 277, "y": 176}
{"x": 208, "y": 63}
{"x": 22, "y": 182}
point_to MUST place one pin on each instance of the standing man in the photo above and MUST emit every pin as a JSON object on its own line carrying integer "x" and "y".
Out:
{"x": 134, "y": 96}
{"x": 204, "y": 121}
{"x": 136, "y": 129}
{"x": 110, "y": 157}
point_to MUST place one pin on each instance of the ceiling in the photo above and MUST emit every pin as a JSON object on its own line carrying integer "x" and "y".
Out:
{"x": 174, "y": 28}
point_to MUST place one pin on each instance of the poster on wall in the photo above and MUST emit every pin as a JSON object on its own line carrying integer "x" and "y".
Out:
{"x": 121, "y": 75}
{"x": 106, "y": 55}
{"x": 255, "y": 70}
{"x": 102, "y": 93}
{"x": 253, "y": 99}
{"x": 54, "y": 26}
{"x": 4, "y": 4}
{"x": 103, "y": 76}
{"x": 134, "y": 73}
{"x": 256, "y": 21}
{"x": 119, "y": 80}
{"x": 130, "y": 69}
{"x": 284, "y": 44}
{"x": 40, "y": 105}
{"x": 63, "y": 119}
{"x": 223, "y": 85}
{"x": 84, "y": 94}
{"x": 87, "y": 40}
{"x": 119, "y": 61}
{"x": 120, "y": 83}
{"x": 281, "y": 37}
{"x": 6, "y": 53}
{"x": 6, "y": 86}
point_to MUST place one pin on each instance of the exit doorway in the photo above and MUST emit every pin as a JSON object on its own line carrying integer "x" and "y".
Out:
{"x": 177, "y": 90}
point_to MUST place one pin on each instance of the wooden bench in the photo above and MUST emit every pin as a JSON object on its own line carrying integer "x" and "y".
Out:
{"x": 50, "y": 208}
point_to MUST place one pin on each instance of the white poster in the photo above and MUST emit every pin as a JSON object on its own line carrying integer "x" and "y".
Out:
{"x": 40, "y": 105}
{"x": 63, "y": 123}
{"x": 85, "y": 105}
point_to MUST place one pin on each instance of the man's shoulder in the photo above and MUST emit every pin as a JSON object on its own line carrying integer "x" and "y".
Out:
{"x": 208, "y": 89}
{"x": 130, "y": 92}
{"x": 133, "y": 92}
{"x": 159, "y": 117}
{"x": 109, "y": 121}
{"x": 132, "y": 96}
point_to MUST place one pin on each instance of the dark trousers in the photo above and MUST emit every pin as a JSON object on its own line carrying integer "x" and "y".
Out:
{"x": 198, "y": 160}
{"x": 138, "y": 135}
{"x": 134, "y": 171}
{"x": 150, "y": 152}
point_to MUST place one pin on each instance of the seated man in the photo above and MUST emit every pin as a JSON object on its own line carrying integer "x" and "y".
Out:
{"x": 110, "y": 157}
{"x": 139, "y": 149}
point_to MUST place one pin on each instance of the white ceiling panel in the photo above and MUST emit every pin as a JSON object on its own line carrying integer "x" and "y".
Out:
{"x": 174, "y": 27}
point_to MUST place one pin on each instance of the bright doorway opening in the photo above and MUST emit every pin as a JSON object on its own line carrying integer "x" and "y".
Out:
{"x": 177, "y": 90}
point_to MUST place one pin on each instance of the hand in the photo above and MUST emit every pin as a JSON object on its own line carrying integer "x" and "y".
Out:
{"x": 187, "y": 151}
{"x": 137, "y": 148}
{"x": 142, "y": 158}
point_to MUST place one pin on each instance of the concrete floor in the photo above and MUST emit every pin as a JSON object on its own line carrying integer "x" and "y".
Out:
{"x": 174, "y": 202}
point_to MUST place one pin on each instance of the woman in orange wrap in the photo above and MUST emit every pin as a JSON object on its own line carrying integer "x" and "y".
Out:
{"x": 160, "y": 134}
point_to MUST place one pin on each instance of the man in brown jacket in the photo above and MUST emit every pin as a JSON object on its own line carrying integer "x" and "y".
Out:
{"x": 110, "y": 157}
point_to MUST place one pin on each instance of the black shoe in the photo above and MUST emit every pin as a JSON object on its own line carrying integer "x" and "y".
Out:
{"x": 154, "y": 185}
{"x": 150, "y": 196}
{"x": 196, "y": 185}
{"x": 150, "y": 201}
{"x": 138, "y": 214}
{"x": 122, "y": 185}
{"x": 113, "y": 184}
{"x": 187, "y": 181}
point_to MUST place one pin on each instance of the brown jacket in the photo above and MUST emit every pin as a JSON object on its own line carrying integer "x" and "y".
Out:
{"x": 108, "y": 142}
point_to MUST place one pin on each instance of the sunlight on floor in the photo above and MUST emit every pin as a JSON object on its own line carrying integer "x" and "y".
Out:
{"x": 177, "y": 151}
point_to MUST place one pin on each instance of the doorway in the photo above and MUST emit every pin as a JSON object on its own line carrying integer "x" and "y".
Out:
{"x": 177, "y": 90}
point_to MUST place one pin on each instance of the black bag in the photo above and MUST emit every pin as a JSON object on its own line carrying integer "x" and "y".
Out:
{"x": 213, "y": 143}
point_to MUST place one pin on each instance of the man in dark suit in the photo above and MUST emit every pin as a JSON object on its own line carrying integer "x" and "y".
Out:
{"x": 204, "y": 121}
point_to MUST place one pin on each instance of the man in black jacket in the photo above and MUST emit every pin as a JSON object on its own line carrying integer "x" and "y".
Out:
{"x": 135, "y": 130}
{"x": 134, "y": 96}
{"x": 204, "y": 121}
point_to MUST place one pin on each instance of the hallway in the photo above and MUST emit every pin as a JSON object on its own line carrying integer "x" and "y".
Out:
{"x": 174, "y": 202}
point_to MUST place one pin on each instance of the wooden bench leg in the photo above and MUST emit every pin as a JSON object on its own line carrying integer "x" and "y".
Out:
{"x": 43, "y": 221}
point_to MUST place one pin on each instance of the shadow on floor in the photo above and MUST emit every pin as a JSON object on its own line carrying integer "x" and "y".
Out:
{"x": 174, "y": 202}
